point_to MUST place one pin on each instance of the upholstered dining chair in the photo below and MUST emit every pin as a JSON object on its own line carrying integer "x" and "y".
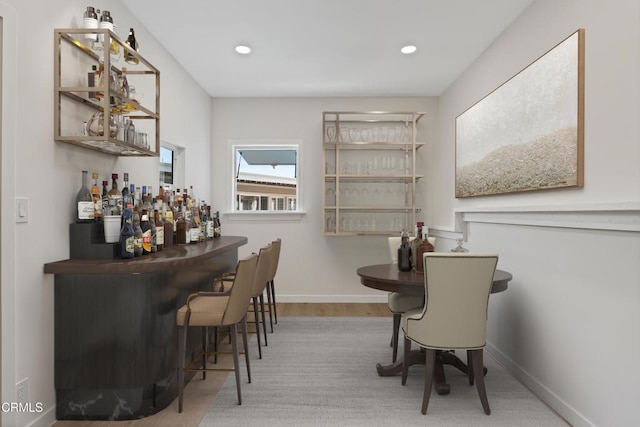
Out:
{"x": 399, "y": 303}
{"x": 457, "y": 288}
{"x": 271, "y": 291}
{"x": 216, "y": 309}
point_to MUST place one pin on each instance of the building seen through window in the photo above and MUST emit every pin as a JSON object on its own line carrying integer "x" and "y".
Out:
{"x": 265, "y": 179}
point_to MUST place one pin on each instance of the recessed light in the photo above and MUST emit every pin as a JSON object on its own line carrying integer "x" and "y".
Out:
{"x": 408, "y": 49}
{"x": 243, "y": 50}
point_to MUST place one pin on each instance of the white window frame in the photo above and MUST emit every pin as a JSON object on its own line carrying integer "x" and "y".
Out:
{"x": 279, "y": 144}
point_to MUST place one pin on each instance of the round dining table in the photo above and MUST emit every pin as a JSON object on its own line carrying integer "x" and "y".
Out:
{"x": 387, "y": 277}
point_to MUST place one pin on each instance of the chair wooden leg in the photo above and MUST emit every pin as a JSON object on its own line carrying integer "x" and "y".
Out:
{"x": 264, "y": 320}
{"x": 245, "y": 342}
{"x": 273, "y": 297}
{"x": 215, "y": 344}
{"x": 270, "y": 305}
{"x": 429, "y": 366}
{"x": 257, "y": 320}
{"x": 469, "y": 367}
{"x": 205, "y": 348}
{"x": 477, "y": 360}
{"x": 405, "y": 364}
{"x": 182, "y": 349}
{"x": 236, "y": 364}
{"x": 396, "y": 331}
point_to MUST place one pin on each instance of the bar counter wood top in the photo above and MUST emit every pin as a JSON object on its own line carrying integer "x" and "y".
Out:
{"x": 175, "y": 257}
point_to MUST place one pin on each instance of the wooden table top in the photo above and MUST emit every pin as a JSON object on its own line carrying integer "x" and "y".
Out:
{"x": 387, "y": 277}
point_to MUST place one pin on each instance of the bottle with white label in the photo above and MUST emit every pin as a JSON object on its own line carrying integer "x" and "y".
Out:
{"x": 90, "y": 20}
{"x": 84, "y": 202}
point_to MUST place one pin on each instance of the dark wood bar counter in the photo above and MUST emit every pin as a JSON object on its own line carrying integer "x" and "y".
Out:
{"x": 115, "y": 327}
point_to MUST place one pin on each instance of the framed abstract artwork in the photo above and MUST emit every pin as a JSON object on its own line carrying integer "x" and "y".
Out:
{"x": 528, "y": 134}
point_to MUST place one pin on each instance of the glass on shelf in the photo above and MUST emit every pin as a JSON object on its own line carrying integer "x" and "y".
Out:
{"x": 459, "y": 247}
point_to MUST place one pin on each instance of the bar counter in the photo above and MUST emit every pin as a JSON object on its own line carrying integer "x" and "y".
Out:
{"x": 115, "y": 327}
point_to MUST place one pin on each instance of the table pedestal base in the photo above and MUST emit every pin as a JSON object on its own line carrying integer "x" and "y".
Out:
{"x": 417, "y": 357}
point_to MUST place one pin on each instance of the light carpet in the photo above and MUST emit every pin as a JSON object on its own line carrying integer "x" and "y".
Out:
{"x": 320, "y": 371}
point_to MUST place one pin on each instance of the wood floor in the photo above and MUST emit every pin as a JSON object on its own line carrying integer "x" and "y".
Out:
{"x": 199, "y": 394}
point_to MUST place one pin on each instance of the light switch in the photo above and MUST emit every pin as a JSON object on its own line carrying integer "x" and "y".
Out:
{"x": 22, "y": 209}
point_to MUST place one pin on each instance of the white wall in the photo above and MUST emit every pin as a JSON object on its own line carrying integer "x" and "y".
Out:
{"x": 313, "y": 268}
{"x": 49, "y": 174}
{"x": 569, "y": 325}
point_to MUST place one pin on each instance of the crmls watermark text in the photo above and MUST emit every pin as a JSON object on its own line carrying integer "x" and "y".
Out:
{"x": 22, "y": 407}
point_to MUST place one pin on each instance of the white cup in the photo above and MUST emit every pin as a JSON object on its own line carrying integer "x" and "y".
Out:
{"x": 112, "y": 228}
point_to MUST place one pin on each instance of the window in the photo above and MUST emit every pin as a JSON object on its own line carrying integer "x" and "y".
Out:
{"x": 266, "y": 178}
{"x": 166, "y": 166}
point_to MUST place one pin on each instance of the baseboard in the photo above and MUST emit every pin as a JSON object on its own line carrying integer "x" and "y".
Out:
{"x": 382, "y": 298}
{"x": 566, "y": 411}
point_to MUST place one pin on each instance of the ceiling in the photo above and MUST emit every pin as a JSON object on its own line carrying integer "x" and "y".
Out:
{"x": 325, "y": 47}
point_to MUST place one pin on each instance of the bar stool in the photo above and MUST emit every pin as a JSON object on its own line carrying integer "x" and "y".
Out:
{"x": 263, "y": 271}
{"x": 271, "y": 292}
{"x": 215, "y": 309}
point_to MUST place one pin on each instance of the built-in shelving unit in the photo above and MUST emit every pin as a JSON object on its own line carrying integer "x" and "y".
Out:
{"x": 369, "y": 172}
{"x": 76, "y": 51}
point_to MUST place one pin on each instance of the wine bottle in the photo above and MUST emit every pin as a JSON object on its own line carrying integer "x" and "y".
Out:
{"x": 154, "y": 231}
{"x": 181, "y": 226}
{"x": 114, "y": 194}
{"x": 404, "y": 253}
{"x": 167, "y": 213}
{"x": 217, "y": 226}
{"x": 133, "y": 44}
{"x": 127, "y": 201}
{"x": 84, "y": 202}
{"x": 127, "y": 235}
{"x": 159, "y": 230}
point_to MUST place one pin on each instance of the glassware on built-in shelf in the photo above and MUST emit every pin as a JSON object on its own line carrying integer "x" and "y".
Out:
{"x": 344, "y": 134}
{"x": 95, "y": 125}
{"x": 354, "y": 134}
{"x": 330, "y": 225}
{"x": 459, "y": 247}
{"x": 331, "y": 134}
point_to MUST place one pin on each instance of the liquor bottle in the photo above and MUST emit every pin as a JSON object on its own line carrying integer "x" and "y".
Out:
{"x": 159, "y": 230}
{"x": 123, "y": 84}
{"x": 415, "y": 243}
{"x": 181, "y": 226}
{"x": 167, "y": 214}
{"x": 194, "y": 227}
{"x": 127, "y": 236}
{"x": 160, "y": 197}
{"x": 210, "y": 222}
{"x": 105, "y": 198}
{"x": 97, "y": 198}
{"x": 133, "y": 44}
{"x": 424, "y": 246}
{"x": 137, "y": 199}
{"x": 154, "y": 231}
{"x": 130, "y": 132}
{"x": 404, "y": 253}
{"x": 114, "y": 194}
{"x": 217, "y": 226}
{"x": 84, "y": 202}
{"x": 145, "y": 226}
{"x": 127, "y": 201}
{"x": 137, "y": 234}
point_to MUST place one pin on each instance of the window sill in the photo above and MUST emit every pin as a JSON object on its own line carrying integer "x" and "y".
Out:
{"x": 264, "y": 216}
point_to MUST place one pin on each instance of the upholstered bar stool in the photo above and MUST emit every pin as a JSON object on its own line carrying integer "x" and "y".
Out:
{"x": 271, "y": 292}
{"x": 263, "y": 271}
{"x": 216, "y": 309}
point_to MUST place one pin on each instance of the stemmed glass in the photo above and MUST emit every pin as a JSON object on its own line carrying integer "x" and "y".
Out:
{"x": 459, "y": 248}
